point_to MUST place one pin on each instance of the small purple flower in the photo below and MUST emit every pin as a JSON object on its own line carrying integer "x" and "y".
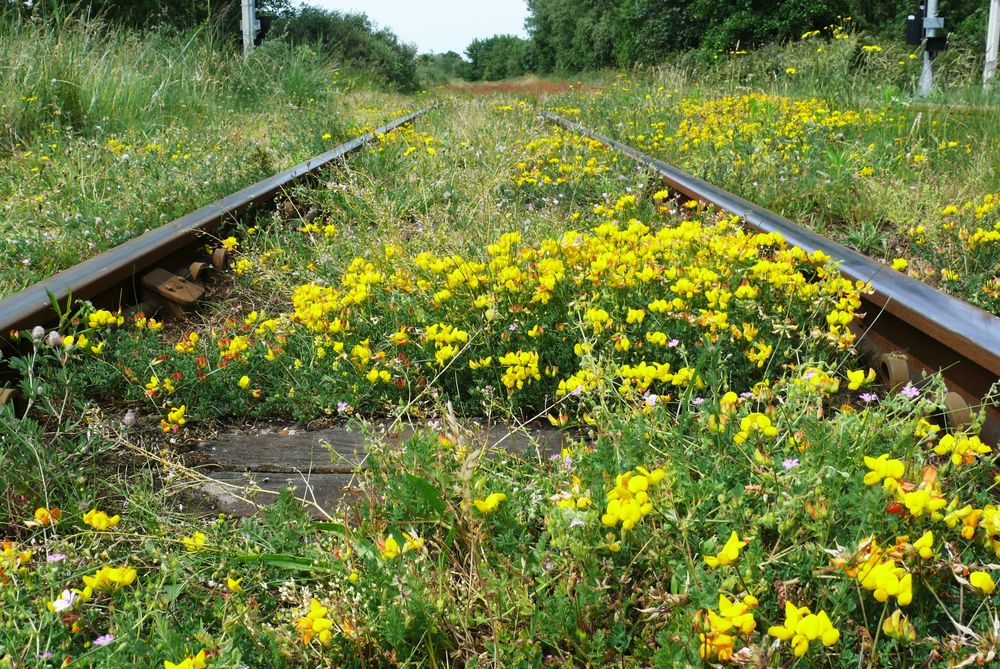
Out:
{"x": 910, "y": 391}
{"x": 55, "y": 557}
{"x": 869, "y": 397}
{"x": 343, "y": 407}
{"x": 673, "y": 342}
{"x": 790, "y": 463}
{"x": 577, "y": 391}
{"x": 45, "y": 656}
{"x": 697, "y": 401}
{"x": 650, "y": 399}
{"x": 746, "y": 394}
{"x": 54, "y": 339}
{"x": 104, "y": 639}
{"x": 512, "y": 327}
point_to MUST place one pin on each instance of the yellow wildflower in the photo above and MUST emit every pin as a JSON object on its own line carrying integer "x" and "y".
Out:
{"x": 490, "y": 504}
{"x": 100, "y": 520}
{"x": 801, "y": 627}
{"x": 982, "y": 582}
{"x": 729, "y": 553}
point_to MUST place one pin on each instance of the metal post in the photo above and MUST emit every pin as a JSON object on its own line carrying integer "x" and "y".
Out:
{"x": 931, "y": 23}
{"x": 992, "y": 42}
{"x": 249, "y": 25}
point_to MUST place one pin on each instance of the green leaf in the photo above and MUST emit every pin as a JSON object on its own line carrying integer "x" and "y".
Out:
{"x": 428, "y": 492}
{"x": 281, "y": 560}
{"x": 336, "y": 528}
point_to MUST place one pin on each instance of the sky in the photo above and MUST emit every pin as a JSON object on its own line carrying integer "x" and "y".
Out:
{"x": 439, "y": 25}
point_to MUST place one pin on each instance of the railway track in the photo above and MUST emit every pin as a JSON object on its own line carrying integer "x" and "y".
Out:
{"x": 161, "y": 267}
{"x": 908, "y": 328}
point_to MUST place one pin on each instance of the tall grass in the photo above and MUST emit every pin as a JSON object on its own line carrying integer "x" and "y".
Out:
{"x": 79, "y": 75}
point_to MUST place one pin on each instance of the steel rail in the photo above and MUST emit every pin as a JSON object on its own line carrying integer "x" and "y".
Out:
{"x": 939, "y": 332}
{"x": 33, "y": 305}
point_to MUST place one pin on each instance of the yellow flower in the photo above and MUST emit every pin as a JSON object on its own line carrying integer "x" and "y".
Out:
{"x": 899, "y": 264}
{"x": 100, "y": 520}
{"x": 195, "y": 542}
{"x": 755, "y": 423}
{"x": 925, "y": 545}
{"x": 982, "y": 582}
{"x": 919, "y": 502}
{"x": 883, "y": 468}
{"x": 244, "y": 382}
{"x": 858, "y": 379}
{"x": 790, "y": 70}
{"x": 198, "y": 661}
{"x": 961, "y": 447}
{"x": 390, "y": 548}
{"x": 729, "y": 553}
{"x": 44, "y": 516}
{"x": 175, "y": 417}
{"x": 110, "y": 579}
{"x": 490, "y": 504}
{"x": 412, "y": 542}
{"x": 635, "y": 316}
{"x": 315, "y": 624}
{"x": 801, "y": 627}
{"x": 104, "y": 318}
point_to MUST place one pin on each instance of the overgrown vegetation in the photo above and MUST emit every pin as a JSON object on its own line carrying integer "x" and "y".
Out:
{"x": 572, "y": 36}
{"x": 733, "y": 487}
{"x": 825, "y": 134}
{"x": 346, "y": 39}
{"x": 104, "y": 134}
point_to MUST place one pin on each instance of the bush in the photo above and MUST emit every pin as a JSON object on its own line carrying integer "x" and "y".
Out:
{"x": 355, "y": 40}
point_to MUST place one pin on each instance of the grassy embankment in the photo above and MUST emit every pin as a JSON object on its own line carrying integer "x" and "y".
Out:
{"x": 104, "y": 135}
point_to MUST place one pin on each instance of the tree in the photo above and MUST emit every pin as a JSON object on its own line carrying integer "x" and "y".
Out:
{"x": 499, "y": 57}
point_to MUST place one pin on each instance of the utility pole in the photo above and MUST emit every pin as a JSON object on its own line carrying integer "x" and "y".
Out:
{"x": 249, "y": 24}
{"x": 932, "y": 23}
{"x": 992, "y": 42}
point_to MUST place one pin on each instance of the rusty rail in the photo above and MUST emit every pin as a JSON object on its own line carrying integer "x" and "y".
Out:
{"x": 936, "y": 331}
{"x": 33, "y": 305}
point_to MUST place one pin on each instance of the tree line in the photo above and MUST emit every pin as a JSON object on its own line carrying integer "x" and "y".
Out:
{"x": 567, "y": 36}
